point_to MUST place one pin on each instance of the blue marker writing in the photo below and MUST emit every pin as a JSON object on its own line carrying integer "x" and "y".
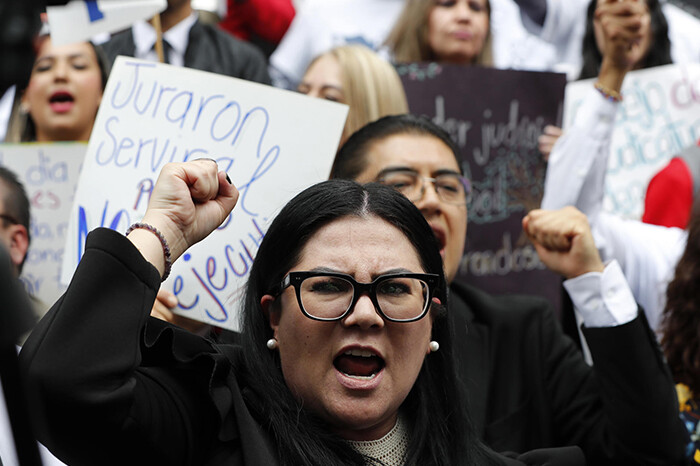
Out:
{"x": 94, "y": 11}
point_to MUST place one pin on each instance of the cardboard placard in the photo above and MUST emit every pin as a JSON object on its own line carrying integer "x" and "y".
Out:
{"x": 49, "y": 173}
{"x": 658, "y": 118}
{"x": 495, "y": 117}
{"x": 272, "y": 143}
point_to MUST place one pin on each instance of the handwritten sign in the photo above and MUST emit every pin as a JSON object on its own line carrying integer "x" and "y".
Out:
{"x": 49, "y": 173}
{"x": 79, "y": 20}
{"x": 495, "y": 117}
{"x": 659, "y": 117}
{"x": 272, "y": 143}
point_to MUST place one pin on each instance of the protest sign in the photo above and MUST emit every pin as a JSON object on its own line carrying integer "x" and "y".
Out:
{"x": 79, "y": 20}
{"x": 49, "y": 173}
{"x": 272, "y": 143}
{"x": 495, "y": 117}
{"x": 658, "y": 118}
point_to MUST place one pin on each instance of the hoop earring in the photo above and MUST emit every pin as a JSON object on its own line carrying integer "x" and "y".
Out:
{"x": 272, "y": 344}
{"x": 434, "y": 346}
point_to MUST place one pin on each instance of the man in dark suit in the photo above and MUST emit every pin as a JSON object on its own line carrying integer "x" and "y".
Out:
{"x": 191, "y": 43}
{"x": 527, "y": 384}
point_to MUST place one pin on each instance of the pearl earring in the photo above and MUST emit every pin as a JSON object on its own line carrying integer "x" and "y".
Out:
{"x": 434, "y": 346}
{"x": 272, "y": 344}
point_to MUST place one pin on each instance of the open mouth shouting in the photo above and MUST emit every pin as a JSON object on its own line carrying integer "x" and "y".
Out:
{"x": 61, "y": 101}
{"x": 359, "y": 368}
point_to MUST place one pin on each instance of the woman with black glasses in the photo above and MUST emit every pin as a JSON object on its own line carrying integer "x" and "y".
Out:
{"x": 345, "y": 355}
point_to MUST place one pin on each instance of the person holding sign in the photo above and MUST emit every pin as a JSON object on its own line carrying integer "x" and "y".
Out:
{"x": 64, "y": 92}
{"x": 643, "y": 19}
{"x": 345, "y": 358}
{"x": 356, "y": 76}
{"x": 640, "y": 24}
{"x": 528, "y": 384}
{"x": 579, "y": 160}
{"x": 568, "y": 27}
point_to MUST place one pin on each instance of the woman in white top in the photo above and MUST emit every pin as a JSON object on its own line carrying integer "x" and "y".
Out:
{"x": 624, "y": 34}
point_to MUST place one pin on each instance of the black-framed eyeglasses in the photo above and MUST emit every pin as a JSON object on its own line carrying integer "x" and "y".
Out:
{"x": 9, "y": 219}
{"x": 328, "y": 296}
{"x": 451, "y": 188}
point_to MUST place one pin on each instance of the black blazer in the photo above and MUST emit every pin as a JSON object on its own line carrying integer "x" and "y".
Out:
{"x": 121, "y": 388}
{"x": 529, "y": 387}
{"x": 208, "y": 49}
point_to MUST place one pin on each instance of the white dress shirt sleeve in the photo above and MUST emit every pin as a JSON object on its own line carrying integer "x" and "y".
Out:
{"x": 579, "y": 159}
{"x": 646, "y": 254}
{"x": 603, "y": 298}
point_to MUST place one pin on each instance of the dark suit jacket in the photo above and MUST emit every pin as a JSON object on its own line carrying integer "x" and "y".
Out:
{"x": 115, "y": 393}
{"x": 208, "y": 49}
{"x": 529, "y": 387}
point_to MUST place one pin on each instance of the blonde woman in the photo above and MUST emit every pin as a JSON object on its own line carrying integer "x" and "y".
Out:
{"x": 450, "y": 31}
{"x": 358, "y": 77}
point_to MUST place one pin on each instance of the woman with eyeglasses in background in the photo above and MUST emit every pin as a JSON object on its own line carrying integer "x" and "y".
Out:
{"x": 527, "y": 384}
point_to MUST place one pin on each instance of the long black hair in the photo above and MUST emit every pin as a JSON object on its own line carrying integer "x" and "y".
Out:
{"x": 659, "y": 52}
{"x": 440, "y": 431}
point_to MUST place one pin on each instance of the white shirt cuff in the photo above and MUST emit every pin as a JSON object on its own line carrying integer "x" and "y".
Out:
{"x": 603, "y": 298}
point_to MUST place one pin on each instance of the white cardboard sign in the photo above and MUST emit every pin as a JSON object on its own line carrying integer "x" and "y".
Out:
{"x": 272, "y": 143}
{"x": 79, "y": 20}
{"x": 49, "y": 173}
{"x": 659, "y": 117}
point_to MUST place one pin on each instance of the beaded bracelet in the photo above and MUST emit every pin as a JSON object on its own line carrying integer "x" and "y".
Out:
{"x": 163, "y": 242}
{"x": 610, "y": 94}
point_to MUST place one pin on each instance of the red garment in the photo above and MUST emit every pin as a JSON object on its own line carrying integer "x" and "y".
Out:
{"x": 669, "y": 196}
{"x": 267, "y": 19}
